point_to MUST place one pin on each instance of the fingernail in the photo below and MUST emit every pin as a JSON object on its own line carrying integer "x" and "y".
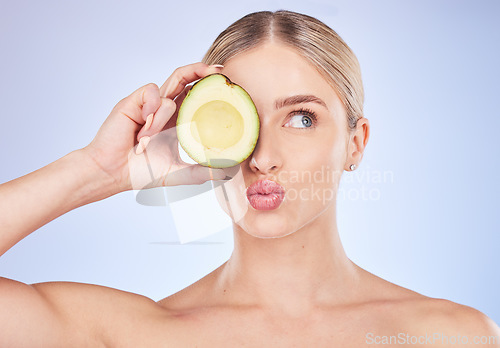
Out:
{"x": 149, "y": 121}
{"x": 143, "y": 142}
{"x": 217, "y": 66}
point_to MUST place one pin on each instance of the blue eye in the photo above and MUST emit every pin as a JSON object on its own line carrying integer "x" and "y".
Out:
{"x": 298, "y": 121}
{"x": 302, "y": 119}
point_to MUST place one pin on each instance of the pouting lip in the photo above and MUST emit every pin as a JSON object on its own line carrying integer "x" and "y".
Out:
{"x": 265, "y": 187}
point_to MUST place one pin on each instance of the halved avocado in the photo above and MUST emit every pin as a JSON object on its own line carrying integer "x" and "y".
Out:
{"x": 218, "y": 124}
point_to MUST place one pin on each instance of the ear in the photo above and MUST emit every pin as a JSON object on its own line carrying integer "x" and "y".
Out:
{"x": 358, "y": 138}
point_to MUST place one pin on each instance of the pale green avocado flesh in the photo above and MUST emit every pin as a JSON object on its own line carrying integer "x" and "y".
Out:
{"x": 218, "y": 124}
{"x": 213, "y": 119}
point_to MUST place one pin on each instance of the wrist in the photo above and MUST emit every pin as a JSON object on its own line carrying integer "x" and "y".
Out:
{"x": 94, "y": 183}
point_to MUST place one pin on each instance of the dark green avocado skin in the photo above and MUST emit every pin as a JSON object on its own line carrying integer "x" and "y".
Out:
{"x": 228, "y": 81}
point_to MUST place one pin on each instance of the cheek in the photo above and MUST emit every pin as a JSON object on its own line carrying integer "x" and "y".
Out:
{"x": 334, "y": 151}
{"x": 312, "y": 190}
{"x": 314, "y": 181}
{"x": 329, "y": 155}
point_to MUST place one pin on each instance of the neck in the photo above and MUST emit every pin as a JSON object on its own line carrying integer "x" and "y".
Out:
{"x": 292, "y": 274}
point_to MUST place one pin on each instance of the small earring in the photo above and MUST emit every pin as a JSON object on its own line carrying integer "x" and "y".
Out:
{"x": 352, "y": 167}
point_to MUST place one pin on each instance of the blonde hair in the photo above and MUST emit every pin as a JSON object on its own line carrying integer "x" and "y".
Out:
{"x": 311, "y": 38}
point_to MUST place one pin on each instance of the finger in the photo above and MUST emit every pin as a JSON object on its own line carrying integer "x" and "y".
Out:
{"x": 178, "y": 101}
{"x": 141, "y": 103}
{"x": 185, "y": 75}
{"x": 189, "y": 174}
{"x": 180, "y": 98}
{"x": 159, "y": 119}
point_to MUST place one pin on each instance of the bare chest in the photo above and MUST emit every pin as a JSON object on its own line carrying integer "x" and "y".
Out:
{"x": 220, "y": 329}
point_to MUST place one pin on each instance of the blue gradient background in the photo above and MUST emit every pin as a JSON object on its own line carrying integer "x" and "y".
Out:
{"x": 430, "y": 71}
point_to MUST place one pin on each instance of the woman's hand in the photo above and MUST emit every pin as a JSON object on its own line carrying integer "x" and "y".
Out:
{"x": 137, "y": 145}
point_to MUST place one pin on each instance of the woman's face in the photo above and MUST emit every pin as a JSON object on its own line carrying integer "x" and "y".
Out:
{"x": 305, "y": 156}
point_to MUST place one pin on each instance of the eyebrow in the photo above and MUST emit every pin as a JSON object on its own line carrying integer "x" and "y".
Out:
{"x": 298, "y": 99}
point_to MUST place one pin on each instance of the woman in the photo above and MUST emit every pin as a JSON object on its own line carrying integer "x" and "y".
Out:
{"x": 288, "y": 281}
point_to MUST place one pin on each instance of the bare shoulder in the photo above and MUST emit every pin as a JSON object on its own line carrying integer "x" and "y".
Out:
{"x": 66, "y": 294}
{"x": 104, "y": 315}
{"x": 448, "y": 321}
{"x": 408, "y": 315}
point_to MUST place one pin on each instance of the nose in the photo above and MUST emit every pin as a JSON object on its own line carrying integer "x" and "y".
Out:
{"x": 266, "y": 157}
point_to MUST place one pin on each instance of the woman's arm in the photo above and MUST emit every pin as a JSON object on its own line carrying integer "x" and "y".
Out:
{"x": 109, "y": 164}
{"x": 31, "y": 201}
{"x": 62, "y": 314}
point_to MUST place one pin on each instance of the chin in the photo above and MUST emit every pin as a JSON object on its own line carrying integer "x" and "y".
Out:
{"x": 268, "y": 234}
{"x": 266, "y": 227}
